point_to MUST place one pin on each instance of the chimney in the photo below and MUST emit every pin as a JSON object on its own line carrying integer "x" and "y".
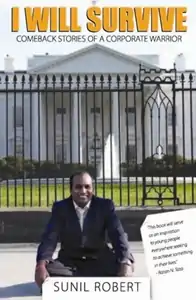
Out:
{"x": 180, "y": 62}
{"x": 8, "y": 64}
{"x": 94, "y": 2}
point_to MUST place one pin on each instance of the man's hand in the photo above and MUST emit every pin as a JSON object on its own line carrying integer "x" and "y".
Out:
{"x": 40, "y": 274}
{"x": 126, "y": 270}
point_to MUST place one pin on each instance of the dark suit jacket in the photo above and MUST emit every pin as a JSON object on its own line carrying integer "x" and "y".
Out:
{"x": 64, "y": 227}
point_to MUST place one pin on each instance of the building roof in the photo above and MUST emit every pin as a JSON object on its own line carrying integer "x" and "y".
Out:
{"x": 111, "y": 52}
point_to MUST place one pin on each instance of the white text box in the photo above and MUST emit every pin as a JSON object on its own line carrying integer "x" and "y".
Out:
{"x": 169, "y": 242}
{"x": 96, "y": 288}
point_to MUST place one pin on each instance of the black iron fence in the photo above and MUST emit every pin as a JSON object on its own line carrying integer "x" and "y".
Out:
{"x": 134, "y": 134}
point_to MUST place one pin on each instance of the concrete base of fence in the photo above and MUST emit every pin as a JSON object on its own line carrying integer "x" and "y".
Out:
{"x": 26, "y": 225}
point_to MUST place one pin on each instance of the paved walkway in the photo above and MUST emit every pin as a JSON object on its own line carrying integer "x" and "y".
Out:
{"x": 17, "y": 264}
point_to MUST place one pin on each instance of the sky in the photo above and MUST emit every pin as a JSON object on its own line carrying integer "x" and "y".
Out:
{"x": 21, "y": 51}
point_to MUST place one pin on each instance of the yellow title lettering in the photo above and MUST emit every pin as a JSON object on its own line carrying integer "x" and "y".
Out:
{"x": 15, "y": 19}
{"x": 95, "y": 24}
{"x": 140, "y": 19}
{"x": 126, "y": 19}
{"x": 181, "y": 19}
{"x": 37, "y": 18}
{"x": 108, "y": 19}
{"x": 51, "y": 19}
{"x": 154, "y": 19}
{"x": 167, "y": 18}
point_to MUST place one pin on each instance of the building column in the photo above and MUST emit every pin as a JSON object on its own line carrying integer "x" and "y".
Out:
{"x": 76, "y": 123}
{"x": 116, "y": 137}
{"x": 38, "y": 134}
{"x": 35, "y": 127}
{"x": 111, "y": 148}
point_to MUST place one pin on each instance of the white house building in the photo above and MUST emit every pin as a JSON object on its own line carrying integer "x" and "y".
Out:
{"x": 52, "y": 117}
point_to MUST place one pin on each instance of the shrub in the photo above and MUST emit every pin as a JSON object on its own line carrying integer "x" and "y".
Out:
{"x": 17, "y": 168}
{"x": 165, "y": 167}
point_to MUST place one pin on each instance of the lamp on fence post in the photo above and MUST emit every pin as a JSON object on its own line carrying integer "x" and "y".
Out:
{"x": 159, "y": 152}
{"x": 96, "y": 148}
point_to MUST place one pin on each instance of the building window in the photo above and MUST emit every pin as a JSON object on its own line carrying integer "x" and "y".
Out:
{"x": 170, "y": 121}
{"x": 130, "y": 116}
{"x": 170, "y": 150}
{"x": 95, "y": 110}
{"x": 61, "y": 153}
{"x": 95, "y": 159}
{"x": 17, "y": 116}
{"x": 96, "y": 142}
{"x": 19, "y": 150}
{"x": 17, "y": 146}
{"x": 61, "y": 111}
{"x": 130, "y": 153}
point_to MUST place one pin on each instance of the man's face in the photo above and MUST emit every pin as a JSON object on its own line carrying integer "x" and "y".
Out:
{"x": 82, "y": 189}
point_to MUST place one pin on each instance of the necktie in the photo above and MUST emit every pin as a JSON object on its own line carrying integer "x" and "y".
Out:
{"x": 81, "y": 216}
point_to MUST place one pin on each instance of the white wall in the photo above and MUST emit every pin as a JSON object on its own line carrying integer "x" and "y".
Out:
{"x": 103, "y": 123}
{"x": 7, "y": 104}
{"x": 33, "y": 132}
{"x": 27, "y": 137}
{"x": 186, "y": 138}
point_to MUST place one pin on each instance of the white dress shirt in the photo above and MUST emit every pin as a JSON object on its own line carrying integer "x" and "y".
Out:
{"x": 81, "y": 213}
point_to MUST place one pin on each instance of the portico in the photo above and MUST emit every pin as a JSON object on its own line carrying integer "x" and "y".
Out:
{"x": 89, "y": 128}
{"x": 91, "y": 117}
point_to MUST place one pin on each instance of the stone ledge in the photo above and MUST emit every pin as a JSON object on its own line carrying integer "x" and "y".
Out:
{"x": 25, "y": 225}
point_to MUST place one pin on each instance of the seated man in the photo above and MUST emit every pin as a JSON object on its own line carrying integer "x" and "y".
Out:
{"x": 80, "y": 223}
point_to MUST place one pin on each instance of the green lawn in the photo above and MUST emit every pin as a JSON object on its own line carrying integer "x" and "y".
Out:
{"x": 126, "y": 195}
